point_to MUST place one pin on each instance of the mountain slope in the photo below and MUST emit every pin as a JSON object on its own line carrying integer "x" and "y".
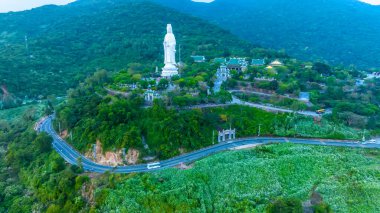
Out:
{"x": 73, "y": 41}
{"x": 340, "y": 31}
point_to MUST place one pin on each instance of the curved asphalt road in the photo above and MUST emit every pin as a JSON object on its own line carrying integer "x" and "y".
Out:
{"x": 72, "y": 156}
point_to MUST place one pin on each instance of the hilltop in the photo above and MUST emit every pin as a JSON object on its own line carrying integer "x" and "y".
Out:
{"x": 339, "y": 31}
{"x": 66, "y": 44}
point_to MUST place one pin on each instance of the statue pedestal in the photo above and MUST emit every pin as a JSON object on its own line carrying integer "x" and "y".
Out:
{"x": 169, "y": 70}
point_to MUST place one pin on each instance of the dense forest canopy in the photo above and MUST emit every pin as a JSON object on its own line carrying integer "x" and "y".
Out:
{"x": 66, "y": 44}
{"x": 339, "y": 31}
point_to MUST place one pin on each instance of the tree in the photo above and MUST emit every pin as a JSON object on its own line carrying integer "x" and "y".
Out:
{"x": 58, "y": 164}
{"x": 175, "y": 78}
{"x": 163, "y": 84}
{"x": 322, "y": 208}
{"x": 53, "y": 209}
{"x": 322, "y": 68}
{"x": 79, "y": 167}
{"x": 224, "y": 96}
{"x": 181, "y": 82}
{"x": 273, "y": 85}
{"x": 132, "y": 138}
{"x": 297, "y": 105}
{"x": 285, "y": 206}
{"x": 43, "y": 143}
{"x": 352, "y": 119}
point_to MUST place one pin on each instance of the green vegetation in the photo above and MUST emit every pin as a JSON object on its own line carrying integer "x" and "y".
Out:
{"x": 120, "y": 122}
{"x": 125, "y": 38}
{"x": 353, "y": 104}
{"x": 304, "y": 30}
{"x": 193, "y": 87}
{"x": 264, "y": 178}
{"x": 15, "y": 115}
{"x": 91, "y": 35}
{"x": 276, "y": 100}
{"x": 33, "y": 178}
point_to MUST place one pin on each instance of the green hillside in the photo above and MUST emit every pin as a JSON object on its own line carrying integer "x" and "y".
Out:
{"x": 339, "y": 31}
{"x": 269, "y": 177}
{"x": 253, "y": 180}
{"x": 65, "y": 44}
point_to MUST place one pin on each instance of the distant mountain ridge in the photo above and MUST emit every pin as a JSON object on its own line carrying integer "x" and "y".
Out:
{"x": 339, "y": 31}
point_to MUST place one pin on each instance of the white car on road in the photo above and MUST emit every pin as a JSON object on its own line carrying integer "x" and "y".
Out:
{"x": 155, "y": 165}
{"x": 372, "y": 141}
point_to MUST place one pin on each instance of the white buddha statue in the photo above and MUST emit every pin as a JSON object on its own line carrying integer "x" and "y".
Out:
{"x": 170, "y": 68}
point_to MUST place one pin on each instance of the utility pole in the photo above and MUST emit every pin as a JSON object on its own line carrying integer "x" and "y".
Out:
{"x": 179, "y": 52}
{"x": 213, "y": 137}
{"x": 259, "y": 130}
{"x": 94, "y": 151}
{"x": 123, "y": 153}
{"x": 59, "y": 127}
{"x": 275, "y": 122}
{"x": 26, "y": 45}
{"x": 363, "y": 139}
{"x": 295, "y": 131}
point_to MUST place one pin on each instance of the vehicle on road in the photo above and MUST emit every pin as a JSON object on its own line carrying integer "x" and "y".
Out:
{"x": 372, "y": 141}
{"x": 155, "y": 165}
{"x": 320, "y": 111}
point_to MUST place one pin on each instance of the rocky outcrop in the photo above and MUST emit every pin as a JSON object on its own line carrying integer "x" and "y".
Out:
{"x": 113, "y": 158}
{"x": 132, "y": 156}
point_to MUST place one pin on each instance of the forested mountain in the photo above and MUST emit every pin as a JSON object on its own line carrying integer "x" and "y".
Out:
{"x": 112, "y": 48}
{"x": 66, "y": 44}
{"x": 340, "y": 31}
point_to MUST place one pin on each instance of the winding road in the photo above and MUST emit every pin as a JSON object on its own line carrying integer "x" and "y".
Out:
{"x": 71, "y": 155}
{"x": 237, "y": 101}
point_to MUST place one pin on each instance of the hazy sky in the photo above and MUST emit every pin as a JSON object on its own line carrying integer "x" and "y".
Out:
{"x": 374, "y": 2}
{"x": 18, "y": 5}
{"x": 207, "y": 1}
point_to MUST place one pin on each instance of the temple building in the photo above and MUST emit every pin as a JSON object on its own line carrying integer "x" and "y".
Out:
{"x": 198, "y": 58}
{"x": 238, "y": 64}
{"x": 223, "y": 72}
{"x": 170, "y": 68}
{"x": 373, "y": 75}
{"x": 151, "y": 95}
{"x": 220, "y": 61}
{"x": 258, "y": 62}
{"x": 276, "y": 63}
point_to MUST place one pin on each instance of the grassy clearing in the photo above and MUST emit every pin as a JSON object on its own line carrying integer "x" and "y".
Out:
{"x": 14, "y": 115}
{"x": 306, "y": 127}
{"x": 248, "y": 180}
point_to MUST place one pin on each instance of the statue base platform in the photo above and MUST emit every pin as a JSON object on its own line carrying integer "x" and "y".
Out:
{"x": 168, "y": 72}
